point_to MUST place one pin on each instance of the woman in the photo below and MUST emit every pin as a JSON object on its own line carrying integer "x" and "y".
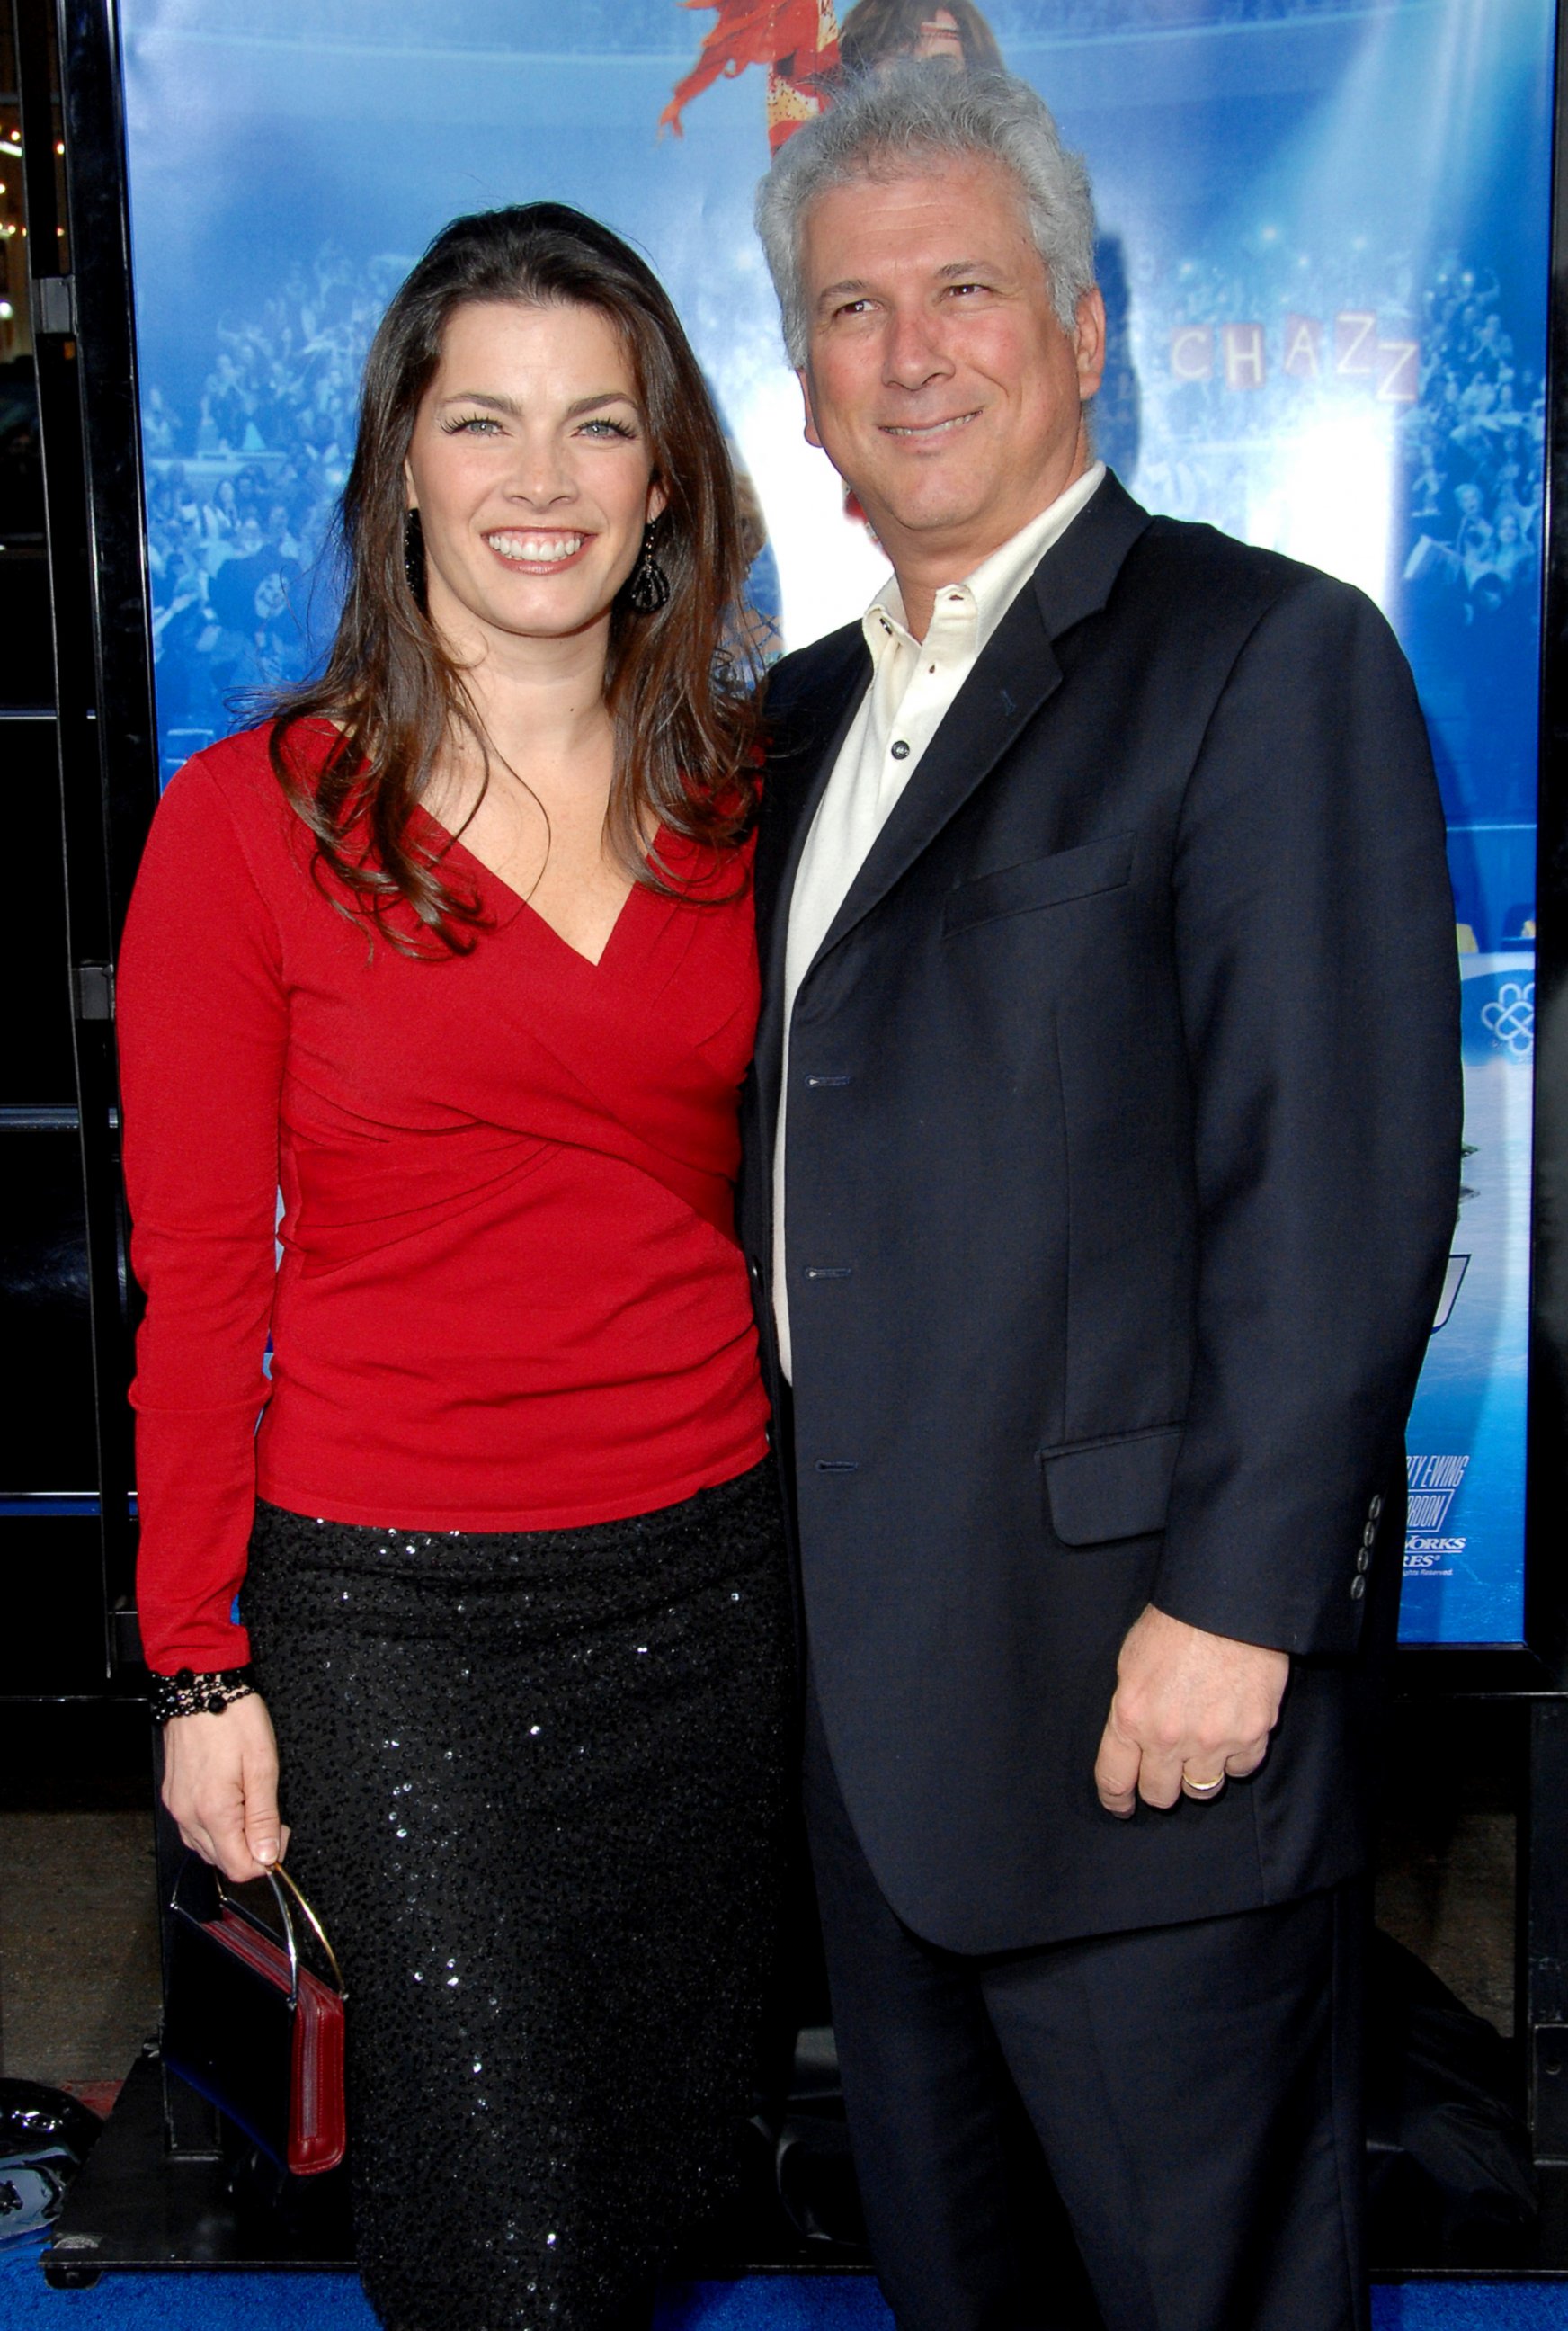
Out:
{"x": 878, "y": 33}
{"x": 458, "y": 950}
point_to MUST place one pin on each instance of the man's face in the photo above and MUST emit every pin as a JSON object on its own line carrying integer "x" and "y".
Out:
{"x": 938, "y": 379}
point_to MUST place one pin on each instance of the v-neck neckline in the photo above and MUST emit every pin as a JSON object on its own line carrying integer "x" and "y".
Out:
{"x": 516, "y": 904}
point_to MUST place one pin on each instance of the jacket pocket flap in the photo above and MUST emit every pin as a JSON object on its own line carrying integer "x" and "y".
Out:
{"x": 1111, "y": 1489}
{"x": 1039, "y": 882}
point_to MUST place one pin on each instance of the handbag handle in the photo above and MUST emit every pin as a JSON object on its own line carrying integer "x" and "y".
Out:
{"x": 277, "y": 1877}
{"x": 278, "y": 1873}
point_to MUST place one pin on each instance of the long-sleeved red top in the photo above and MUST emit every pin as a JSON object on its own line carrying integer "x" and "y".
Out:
{"x": 510, "y": 1295}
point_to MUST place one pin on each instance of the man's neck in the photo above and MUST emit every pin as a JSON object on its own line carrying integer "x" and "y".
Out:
{"x": 922, "y": 571}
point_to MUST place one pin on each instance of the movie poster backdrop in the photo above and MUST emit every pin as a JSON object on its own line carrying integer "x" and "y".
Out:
{"x": 1323, "y": 249}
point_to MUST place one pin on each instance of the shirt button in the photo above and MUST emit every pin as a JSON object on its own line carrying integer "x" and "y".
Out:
{"x": 900, "y": 750}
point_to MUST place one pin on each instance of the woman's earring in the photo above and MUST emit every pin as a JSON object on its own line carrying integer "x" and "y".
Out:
{"x": 649, "y": 589}
{"x": 414, "y": 556}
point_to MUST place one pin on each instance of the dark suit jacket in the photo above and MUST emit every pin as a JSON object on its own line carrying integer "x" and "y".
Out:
{"x": 1123, "y": 1148}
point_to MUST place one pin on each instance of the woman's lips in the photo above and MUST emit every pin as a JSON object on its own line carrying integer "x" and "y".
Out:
{"x": 543, "y": 552}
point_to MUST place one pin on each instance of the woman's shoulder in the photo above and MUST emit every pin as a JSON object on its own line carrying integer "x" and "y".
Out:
{"x": 228, "y": 797}
{"x": 240, "y": 762}
{"x": 238, "y": 775}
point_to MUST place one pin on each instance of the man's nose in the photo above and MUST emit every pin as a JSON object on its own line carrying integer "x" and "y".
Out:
{"x": 913, "y": 354}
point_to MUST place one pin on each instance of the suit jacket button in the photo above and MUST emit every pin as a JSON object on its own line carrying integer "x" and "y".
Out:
{"x": 1369, "y": 1534}
{"x": 1364, "y": 1560}
{"x": 1374, "y": 1509}
{"x": 1357, "y": 1589}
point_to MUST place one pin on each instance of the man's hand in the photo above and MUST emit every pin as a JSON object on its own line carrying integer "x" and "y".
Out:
{"x": 1190, "y": 1711}
{"x": 221, "y": 1784}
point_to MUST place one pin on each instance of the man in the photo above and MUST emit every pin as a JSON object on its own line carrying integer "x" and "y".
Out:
{"x": 1104, "y": 1154}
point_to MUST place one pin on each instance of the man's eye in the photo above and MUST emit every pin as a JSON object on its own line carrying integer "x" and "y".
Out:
{"x": 960, "y": 291}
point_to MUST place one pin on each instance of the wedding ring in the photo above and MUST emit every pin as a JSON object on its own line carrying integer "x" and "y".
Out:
{"x": 1202, "y": 1788}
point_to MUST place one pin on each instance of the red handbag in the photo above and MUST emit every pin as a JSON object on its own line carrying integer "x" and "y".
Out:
{"x": 251, "y": 2027}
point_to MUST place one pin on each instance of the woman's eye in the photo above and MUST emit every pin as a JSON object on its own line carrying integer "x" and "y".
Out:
{"x": 473, "y": 425}
{"x": 602, "y": 426}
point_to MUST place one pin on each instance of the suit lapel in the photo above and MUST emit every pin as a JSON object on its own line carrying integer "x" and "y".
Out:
{"x": 805, "y": 745}
{"x": 1010, "y": 685}
{"x": 1012, "y": 680}
{"x": 1014, "y": 677}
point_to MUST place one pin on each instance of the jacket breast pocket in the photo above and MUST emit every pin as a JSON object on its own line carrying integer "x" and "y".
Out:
{"x": 1106, "y": 1489}
{"x": 1050, "y": 881}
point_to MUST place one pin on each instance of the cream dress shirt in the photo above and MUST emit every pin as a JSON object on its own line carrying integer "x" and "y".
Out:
{"x": 913, "y": 684}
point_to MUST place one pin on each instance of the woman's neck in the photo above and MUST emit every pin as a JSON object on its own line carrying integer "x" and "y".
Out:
{"x": 530, "y": 802}
{"x": 541, "y": 702}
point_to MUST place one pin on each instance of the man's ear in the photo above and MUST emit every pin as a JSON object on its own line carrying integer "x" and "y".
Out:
{"x": 804, "y": 376}
{"x": 1088, "y": 336}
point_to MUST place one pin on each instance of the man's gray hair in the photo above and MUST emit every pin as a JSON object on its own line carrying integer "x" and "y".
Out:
{"x": 894, "y": 123}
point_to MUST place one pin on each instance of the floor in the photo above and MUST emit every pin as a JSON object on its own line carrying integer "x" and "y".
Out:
{"x": 79, "y": 1946}
{"x": 79, "y": 1972}
{"x": 223, "y": 2302}
{"x": 1445, "y": 1879}
{"x": 80, "y": 1994}
{"x": 79, "y": 1966}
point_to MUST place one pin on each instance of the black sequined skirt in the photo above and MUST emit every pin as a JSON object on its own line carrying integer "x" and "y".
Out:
{"x": 538, "y": 1782}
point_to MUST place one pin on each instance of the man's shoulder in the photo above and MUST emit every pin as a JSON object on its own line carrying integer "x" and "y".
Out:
{"x": 1180, "y": 561}
{"x": 1202, "y": 611}
{"x": 799, "y": 678}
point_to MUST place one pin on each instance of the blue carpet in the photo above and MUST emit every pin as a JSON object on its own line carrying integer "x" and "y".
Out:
{"x": 1470, "y": 2306}
{"x": 332, "y": 2302}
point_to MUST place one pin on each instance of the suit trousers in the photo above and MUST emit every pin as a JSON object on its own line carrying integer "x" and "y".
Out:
{"x": 1196, "y": 2090}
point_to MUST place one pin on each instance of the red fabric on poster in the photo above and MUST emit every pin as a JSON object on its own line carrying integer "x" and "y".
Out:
{"x": 797, "y": 40}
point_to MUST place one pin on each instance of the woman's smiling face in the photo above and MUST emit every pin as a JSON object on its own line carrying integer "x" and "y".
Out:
{"x": 532, "y": 473}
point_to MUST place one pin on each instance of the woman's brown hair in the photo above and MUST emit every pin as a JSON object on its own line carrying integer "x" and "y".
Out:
{"x": 683, "y": 717}
{"x": 876, "y": 31}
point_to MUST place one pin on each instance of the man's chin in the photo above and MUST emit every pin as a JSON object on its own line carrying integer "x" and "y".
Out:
{"x": 921, "y": 517}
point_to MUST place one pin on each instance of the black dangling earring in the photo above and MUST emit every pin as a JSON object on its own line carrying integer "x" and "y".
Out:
{"x": 649, "y": 589}
{"x": 414, "y": 556}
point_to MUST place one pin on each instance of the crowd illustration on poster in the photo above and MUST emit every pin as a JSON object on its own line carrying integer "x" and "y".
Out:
{"x": 1327, "y": 306}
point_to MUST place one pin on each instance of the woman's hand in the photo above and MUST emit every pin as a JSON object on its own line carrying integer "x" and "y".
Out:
{"x": 221, "y": 1784}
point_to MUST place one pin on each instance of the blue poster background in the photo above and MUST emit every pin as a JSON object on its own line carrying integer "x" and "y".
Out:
{"x": 1324, "y": 233}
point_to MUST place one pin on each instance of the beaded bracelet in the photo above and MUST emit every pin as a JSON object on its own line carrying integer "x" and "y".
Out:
{"x": 190, "y": 1694}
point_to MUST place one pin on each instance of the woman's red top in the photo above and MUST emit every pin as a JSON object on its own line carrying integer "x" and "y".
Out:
{"x": 505, "y": 1292}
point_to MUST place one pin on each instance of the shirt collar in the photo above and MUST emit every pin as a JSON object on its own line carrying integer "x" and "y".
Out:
{"x": 983, "y": 598}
